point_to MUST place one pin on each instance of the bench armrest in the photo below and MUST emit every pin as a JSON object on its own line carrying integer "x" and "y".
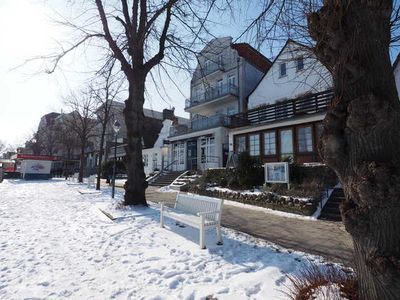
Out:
{"x": 208, "y": 212}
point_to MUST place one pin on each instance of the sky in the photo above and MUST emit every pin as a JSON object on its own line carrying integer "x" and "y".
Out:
{"x": 27, "y": 29}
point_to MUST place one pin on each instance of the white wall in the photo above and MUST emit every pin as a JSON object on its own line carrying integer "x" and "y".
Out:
{"x": 150, "y": 165}
{"x": 313, "y": 78}
{"x": 159, "y": 149}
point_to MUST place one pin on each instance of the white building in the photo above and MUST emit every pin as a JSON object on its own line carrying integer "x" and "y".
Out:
{"x": 155, "y": 137}
{"x": 295, "y": 72}
{"x": 286, "y": 109}
{"x": 225, "y": 75}
{"x": 156, "y": 158}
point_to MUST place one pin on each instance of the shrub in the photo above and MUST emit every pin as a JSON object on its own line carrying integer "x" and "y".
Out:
{"x": 328, "y": 281}
{"x": 107, "y": 168}
{"x": 250, "y": 171}
{"x": 319, "y": 174}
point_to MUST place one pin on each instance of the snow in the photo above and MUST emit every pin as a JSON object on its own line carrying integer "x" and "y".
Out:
{"x": 166, "y": 189}
{"x": 253, "y": 192}
{"x": 56, "y": 243}
{"x": 327, "y": 292}
{"x": 270, "y": 211}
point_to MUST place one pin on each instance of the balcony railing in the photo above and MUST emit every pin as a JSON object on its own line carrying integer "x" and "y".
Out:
{"x": 283, "y": 110}
{"x": 212, "y": 94}
{"x": 202, "y": 123}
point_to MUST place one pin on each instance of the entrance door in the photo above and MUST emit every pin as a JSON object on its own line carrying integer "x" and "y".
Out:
{"x": 192, "y": 155}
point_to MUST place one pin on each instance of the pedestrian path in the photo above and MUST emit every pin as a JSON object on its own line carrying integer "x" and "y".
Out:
{"x": 328, "y": 239}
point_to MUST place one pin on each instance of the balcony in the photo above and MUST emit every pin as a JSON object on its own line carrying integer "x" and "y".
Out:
{"x": 305, "y": 105}
{"x": 201, "y": 123}
{"x": 207, "y": 70}
{"x": 211, "y": 94}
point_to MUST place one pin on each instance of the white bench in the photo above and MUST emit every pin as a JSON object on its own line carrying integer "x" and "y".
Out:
{"x": 197, "y": 211}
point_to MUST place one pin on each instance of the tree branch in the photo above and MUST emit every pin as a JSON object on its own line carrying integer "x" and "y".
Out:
{"x": 160, "y": 55}
{"x": 126, "y": 67}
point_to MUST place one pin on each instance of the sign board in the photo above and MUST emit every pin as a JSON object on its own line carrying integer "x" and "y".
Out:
{"x": 277, "y": 172}
{"x": 29, "y": 166}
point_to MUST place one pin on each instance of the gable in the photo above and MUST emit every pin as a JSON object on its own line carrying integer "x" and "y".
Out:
{"x": 274, "y": 86}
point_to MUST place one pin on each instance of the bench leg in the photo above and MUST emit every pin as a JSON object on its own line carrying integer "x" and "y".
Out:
{"x": 162, "y": 215}
{"x": 219, "y": 235}
{"x": 202, "y": 233}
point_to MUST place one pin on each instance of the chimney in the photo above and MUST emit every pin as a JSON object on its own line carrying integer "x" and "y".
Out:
{"x": 169, "y": 114}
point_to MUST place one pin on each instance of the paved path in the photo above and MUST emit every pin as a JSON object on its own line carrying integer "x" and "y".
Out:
{"x": 328, "y": 239}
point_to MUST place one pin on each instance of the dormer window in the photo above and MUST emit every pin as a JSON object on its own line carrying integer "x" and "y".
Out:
{"x": 282, "y": 70}
{"x": 299, "y": 63}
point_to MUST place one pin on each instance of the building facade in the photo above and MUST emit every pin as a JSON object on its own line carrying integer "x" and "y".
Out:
{"x": 155, "y": 143}
{"x": 224, "y": 76}
{"x": 286, "y": 109}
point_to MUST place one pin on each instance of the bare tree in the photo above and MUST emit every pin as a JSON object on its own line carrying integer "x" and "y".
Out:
{"x": 47, "y": 137}
{"x": 2, "y": 147}
{"x": 139, "y": 34}
{"x": 67, "y": 141}
{"x": 105, "y": 93}
{"x": 361, "y": 134}
{"x": 81, "y": 121}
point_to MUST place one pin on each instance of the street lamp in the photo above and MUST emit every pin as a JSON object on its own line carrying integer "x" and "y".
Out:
{"x": 116, "y": 126}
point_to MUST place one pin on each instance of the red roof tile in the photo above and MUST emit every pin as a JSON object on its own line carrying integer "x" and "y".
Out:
{"x": 252, "y": 56}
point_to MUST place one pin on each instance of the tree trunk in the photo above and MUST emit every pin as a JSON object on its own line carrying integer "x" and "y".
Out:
{"x": 135, "y": 186}
{"x": 361, "y": 136}
{"x": 101, "y": 151}
{"x": 81, "y": 162}
{"x": 66, "y": 171}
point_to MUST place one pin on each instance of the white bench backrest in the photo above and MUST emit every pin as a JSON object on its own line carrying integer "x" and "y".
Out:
{"x": 194, "y": 204}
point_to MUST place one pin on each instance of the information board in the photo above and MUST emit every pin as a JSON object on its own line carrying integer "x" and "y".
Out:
{"x": 277, "y": 172}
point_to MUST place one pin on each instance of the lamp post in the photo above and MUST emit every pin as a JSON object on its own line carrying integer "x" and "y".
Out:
{"x": 116, "y": 127}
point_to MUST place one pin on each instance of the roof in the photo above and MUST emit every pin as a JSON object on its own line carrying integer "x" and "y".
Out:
{"x": 252, "y": 56}
{"x": 149, "y": 113}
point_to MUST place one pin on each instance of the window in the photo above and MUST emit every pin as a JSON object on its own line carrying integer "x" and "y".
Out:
{"x": 269, "y": 143}
{"x": 304, "y": 139}
{"x": 240, "y": 144}
{"x": 207, "y": 149}
{"x": 231, "y": 80}
{"x": 220, "y": 60}
{"x": 145, "y": 160}
{"x": 299, "y": 63}
{"x": 155, "y": 161}
{"x": 286, "y": 140}
{"x": 231, "y": 110}
{"x": 219, "y": 87}
{"x": 282, "y": 70}
{"x": 179, "y": 153}
{"x": 207, "y": 65}
{"x": 254, "y": 144}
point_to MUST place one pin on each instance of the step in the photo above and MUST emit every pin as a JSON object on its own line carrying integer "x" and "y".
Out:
{"x": 331, "y": 217}
{"x": 331, "y": 210}
{"x": 332, "y": 206}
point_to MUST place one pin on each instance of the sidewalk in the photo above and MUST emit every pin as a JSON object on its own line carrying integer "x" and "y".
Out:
{"x": 328, "y": 239}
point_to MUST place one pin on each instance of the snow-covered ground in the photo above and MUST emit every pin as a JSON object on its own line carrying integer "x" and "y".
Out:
{"x": 56, "y": 244}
